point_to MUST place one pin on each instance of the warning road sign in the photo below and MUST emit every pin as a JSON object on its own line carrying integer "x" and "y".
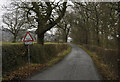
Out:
{"x": 28, "y": 37}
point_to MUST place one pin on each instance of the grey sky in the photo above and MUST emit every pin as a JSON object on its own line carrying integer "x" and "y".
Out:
{"x": 2, "y": 11}
{"x": 6, "y": 2}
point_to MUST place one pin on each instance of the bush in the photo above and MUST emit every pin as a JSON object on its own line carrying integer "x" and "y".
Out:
{"x": 15, "y": 56}
{"x": 109, "y": 57}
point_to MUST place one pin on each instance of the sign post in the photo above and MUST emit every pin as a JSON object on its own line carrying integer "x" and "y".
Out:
{"x": 28, "y": 58}
{"x": 28, "y": 40}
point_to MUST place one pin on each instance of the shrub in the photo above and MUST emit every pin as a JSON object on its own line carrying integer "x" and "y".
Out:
{"x": 15, "y": 56}
{"x": 109, "y": 57}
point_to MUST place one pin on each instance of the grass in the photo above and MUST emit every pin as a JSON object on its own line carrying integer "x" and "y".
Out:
{"x": 59, "y": 57}
{"x": 10, "y": 43}
{"x": 102, "y": 68}
{"x": 53, "y": 43}
{"x": 28, "y": 70}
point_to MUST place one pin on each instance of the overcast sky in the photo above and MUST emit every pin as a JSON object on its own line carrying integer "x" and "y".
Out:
{"x": 2, "y": 2}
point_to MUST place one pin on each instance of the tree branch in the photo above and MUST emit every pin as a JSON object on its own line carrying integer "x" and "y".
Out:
{"x": 49, "y": 26}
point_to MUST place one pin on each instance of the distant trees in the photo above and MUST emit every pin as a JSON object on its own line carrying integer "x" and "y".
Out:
{"x": 64, "y": 26}
{"x": 15, "y": 21}
{"x": 95, "y": 24}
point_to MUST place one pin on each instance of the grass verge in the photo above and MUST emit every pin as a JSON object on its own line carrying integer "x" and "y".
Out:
{"x": 28, "y": 70}
{"x": 10, "y": 43}
{"x": 102, "y": 68}
{"x": 59, "y": 57}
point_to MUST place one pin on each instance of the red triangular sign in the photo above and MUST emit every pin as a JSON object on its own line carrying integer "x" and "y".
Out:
{"x": 28, "y": 37}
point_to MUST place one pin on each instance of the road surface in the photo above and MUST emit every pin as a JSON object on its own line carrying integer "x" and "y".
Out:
{"x": 78, "y": 65}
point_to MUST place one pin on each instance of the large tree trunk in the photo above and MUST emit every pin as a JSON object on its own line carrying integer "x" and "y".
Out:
{"x": 66, "y": 37}
{"x": 40, "y": 39}
{"x": 98, "y": 40}
{"x": 86, "y": 36}
{"x": 40, "y": 35}
{"x": 14, "y": 39}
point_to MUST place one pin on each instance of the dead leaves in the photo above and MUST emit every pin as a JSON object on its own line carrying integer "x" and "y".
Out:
{"x": 24, "y": 72}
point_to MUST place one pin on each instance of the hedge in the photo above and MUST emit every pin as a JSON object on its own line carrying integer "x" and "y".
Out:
{"x": 109, "y": 57}
{"x": 15, "y": 56}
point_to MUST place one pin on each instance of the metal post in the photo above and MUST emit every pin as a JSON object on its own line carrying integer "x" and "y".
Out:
{"x": 29, "y": 60}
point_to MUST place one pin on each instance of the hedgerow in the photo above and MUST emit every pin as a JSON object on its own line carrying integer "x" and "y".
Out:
{"x": 15, "y": 56}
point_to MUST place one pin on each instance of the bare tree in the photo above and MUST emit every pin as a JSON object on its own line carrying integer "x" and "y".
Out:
{"x": 64, "y": 26}
{"x": 15, "y": 22}
{"x": 46, "y": 15}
